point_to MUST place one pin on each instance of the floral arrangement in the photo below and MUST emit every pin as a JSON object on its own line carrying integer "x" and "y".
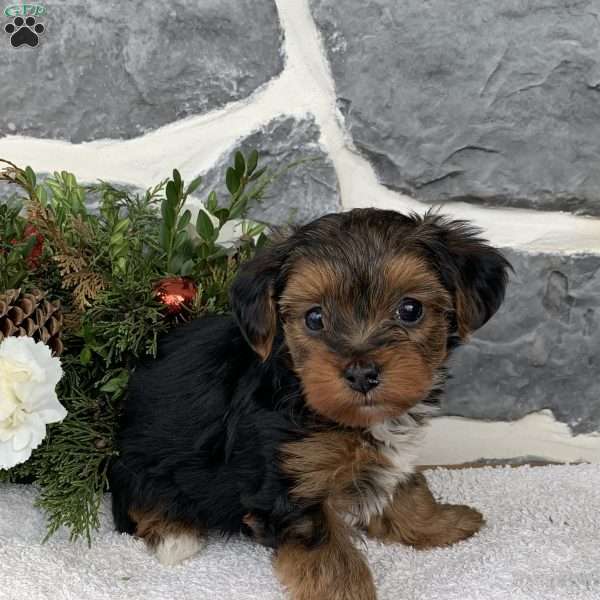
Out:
{"x": 84, "y": 294}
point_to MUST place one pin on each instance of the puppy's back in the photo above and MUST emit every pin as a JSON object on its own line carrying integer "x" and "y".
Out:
{"x": 174, "y": 422}
{"x": 193, "y": 361}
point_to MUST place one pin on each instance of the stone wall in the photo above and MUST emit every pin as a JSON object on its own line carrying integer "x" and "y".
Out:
{"x": 488, "y": 102}
{"x": 489, "y": 109}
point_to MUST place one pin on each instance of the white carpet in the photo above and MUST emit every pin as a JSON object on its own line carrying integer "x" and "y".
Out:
{"x": 541, "y": 542}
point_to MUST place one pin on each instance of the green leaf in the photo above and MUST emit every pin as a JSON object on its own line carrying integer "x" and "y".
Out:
{"x": 121, "y": 264}
{"x": 258, "y": 173}
{"x": 240, "y": 164}
{"x": 121, "y": 226}
{"x": 113, "y": 385}
{"x": 22, "y": 178}
{"x": 211, "y": 203}
{"x": 253, "y": 229}
{"x": 194, "y": 185}
{"x": 30, "y": 175}
{"x": 172, "y": 195}
{"x": 164, "y": 236}
{"x": 187, "y": 267}
{"x": 184, "y": 220}
{"x": 203, "y": 250}
{"x": 187, "y": 248}
{"x": 176, "y": 264}
{"x": 180, "y": 239}
{"x": 85, "y": 356}
{"x": 252, "y": 162}
{"x": 220, "y": 253}
{"x": 232, "y": 180}
{"x": 204, "y": 226}
{"x": 116, "y": 239}
{"x": 168, "y": 214}
{"x": 222, "y": 214}
{"x": 177, "y": 181}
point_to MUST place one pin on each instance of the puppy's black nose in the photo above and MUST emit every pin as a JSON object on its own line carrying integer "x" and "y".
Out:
{"x": 362, "y": 378}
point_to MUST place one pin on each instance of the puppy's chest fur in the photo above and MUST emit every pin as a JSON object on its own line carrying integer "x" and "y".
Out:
{"x": 355, "y": 471}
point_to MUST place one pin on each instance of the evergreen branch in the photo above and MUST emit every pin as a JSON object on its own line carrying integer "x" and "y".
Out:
{"x": 104, "y": 267}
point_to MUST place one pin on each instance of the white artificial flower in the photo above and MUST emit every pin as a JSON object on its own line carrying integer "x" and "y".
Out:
{"x": 28, "y": 401}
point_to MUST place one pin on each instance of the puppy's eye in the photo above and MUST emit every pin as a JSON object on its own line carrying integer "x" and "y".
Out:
{"x": 409, "y": 311}
{"x": 314, "y": 319}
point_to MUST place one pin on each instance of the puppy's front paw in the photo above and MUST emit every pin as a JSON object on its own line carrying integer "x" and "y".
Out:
{"x": 451, "y": 523}
{"x": 415, "y": 518}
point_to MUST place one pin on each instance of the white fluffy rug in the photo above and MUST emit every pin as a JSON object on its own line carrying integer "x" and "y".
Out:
{"x": 541, "y": 542}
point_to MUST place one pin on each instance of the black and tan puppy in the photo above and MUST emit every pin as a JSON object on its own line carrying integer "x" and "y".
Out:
{"x": 296, "y": 420}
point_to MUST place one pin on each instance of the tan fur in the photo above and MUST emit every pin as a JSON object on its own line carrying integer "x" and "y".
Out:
{"x": 152, "y": 526}
{"x": 464, "y": 314}
{"x": 408, "y": 361}
{"x": 328, "y": 393}
{"x": 264, "y": 346}
{"x": 307, "y": 284}
{"x": 333, "y": 570}
{"x": 415, "y": 518}
{"x": 408, "y": 275}
{"x": 330, "y": 465}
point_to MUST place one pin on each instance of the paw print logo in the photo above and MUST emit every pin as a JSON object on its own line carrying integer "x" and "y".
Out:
{"x": 24, "y": 31}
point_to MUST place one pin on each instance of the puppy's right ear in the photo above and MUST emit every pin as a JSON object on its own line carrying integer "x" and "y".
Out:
{"x": 252, "y": 298}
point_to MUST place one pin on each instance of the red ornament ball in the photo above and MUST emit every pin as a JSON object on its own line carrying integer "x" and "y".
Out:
{"x": 175, "y": 293}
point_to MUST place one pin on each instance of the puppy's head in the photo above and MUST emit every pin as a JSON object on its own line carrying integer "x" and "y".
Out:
{"x": 370, "y": 303}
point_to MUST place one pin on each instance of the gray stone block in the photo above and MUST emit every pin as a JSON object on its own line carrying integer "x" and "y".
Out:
{"x": 541, "y": 350}
{"x": 489, "y": 102}
{"x": 109, "y": 69}
{"x": 304, "y": 192}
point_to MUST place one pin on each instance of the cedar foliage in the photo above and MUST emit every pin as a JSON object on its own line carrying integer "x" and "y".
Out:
{"x": 101, "y": 265}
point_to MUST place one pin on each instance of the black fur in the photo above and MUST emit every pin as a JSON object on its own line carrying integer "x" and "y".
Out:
{"x": 203, "y": 423}
{"x": 201, "y": 430}
{"x": 464, "y": 261}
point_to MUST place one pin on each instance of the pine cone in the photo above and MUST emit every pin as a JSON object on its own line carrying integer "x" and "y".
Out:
{"x": 33, "y": 315}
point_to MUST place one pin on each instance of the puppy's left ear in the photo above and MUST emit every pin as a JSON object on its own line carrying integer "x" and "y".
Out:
{"x": 252, "y": 298}
{"x": 474, "y": 272}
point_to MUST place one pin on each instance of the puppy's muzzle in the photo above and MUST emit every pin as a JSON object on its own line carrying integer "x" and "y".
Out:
{"x": 362, "y": 377}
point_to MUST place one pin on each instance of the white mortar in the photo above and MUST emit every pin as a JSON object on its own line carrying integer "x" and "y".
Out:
{"x": 455, "y": 440}
{"x": 306, "y": 86}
